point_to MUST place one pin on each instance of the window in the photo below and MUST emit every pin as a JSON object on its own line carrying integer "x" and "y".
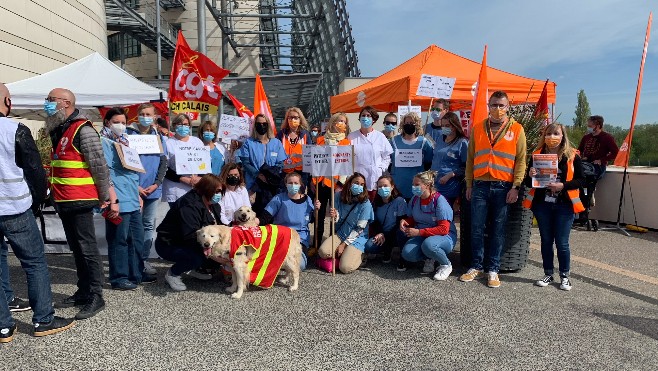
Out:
{"x": 131, "y": 47}
{"x": 132, "y": 4}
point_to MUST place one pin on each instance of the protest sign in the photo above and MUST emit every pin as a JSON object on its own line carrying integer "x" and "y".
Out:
{"x": 403, "y": 110}
{"x": 146, "y": 144}
{"x": 328, "y": 160}
{"x": 192, "y": 159}
{"x": 435, "y": 86}
{"x": 129, "y": 158}
{"x": 408, "y": 158}
{"x": 233, "y": 127}
{"x": 546, "y": 166}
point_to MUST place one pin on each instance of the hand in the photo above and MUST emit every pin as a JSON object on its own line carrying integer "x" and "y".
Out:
{"x": 596, "y": 162}
{"x": 555, "y": 187}
{"x": 114, "y": 211}
{"x": 444, "y": 179}
{"x": 235, "y": 144}
{"x": 403, "y": 225}
{"x": 317, "y": 204}
{"x": 532, "y": 172}
{"x": 412, "y": 232}
{"x": 512, "y": 196}
{"x": 150, "y": 189}
{"x": 141, "y": 204}
{"x": 468, "y": 193}
{"x": 142, "y": 192}
{"x": 194, "y": 180}
{"x": 103, "y": 204}
{"x": 379, "y": 239}
{"x": 333, "y": 213}
{"x": 340, "y": 249}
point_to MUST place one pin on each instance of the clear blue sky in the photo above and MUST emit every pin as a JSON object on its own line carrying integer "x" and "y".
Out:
{"x": 595, "y": 45}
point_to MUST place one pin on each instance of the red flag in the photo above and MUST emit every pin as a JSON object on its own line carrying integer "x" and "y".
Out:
{"x": 194, "y": 81}
{"x": 624, "y": 153}
{"x": 131, "y": 111}
{"x": 261, "y": 104}
{"x": 243, "y": 111}
{"x": 541, "y": 110}
{"x": 480, "y": 107}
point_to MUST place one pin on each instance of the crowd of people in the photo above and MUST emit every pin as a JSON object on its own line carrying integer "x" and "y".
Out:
{"x": 386, "y": 203}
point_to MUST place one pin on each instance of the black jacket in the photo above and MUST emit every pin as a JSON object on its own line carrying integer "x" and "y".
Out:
{"x": 577, "y": 182}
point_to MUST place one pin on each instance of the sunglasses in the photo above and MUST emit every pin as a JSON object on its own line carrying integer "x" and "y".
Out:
{"x": 390, "y": 123}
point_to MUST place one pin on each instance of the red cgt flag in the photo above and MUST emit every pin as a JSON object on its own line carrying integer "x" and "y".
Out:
{"x": 243, "y": 111}
{"x": 194, "y": 81}
{"x": 541, "y": 110}
{"x": 480, "y": 110}
{"x": 261, "y": 104}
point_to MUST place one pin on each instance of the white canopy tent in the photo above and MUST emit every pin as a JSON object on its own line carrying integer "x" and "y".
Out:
{"x": 94, "y": 80}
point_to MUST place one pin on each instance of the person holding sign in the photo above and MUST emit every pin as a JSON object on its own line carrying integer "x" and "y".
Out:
{"x": 352, "y": 216}
{"x": 554, "y": 206}
{"x": 450, "y": 160}
{"x": 208, "y": 133}
{"x": 124, "y": 230}
{"x": 412, "y": 153}
{"x": 294, "y": 134}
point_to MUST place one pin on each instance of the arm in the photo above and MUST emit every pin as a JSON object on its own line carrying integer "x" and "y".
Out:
{"x": 191, "y": 221}
{"x": 28, "y": 159}
{"x": 528, "y": 179}
{"x": 470, "y": 155}
{"x": 266, "y": 218}
{"x": 162, "y": 170}
{"x": 442, "y": 228}
{"x": 387, "y": 151}
{"x": 612, "y": 148}
{"x": 92, "y": 149}
{"x": 248, "y": 166}
{"x": 356, "y": 232}
{"x": 520, "y": 161}
{"x": 463, "y": 157}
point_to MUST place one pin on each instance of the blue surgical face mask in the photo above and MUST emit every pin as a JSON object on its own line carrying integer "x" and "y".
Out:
{"x": 384, "y": 191}
{"x": 145, "y": 121}
{"x": 208, "y": 136}
{"x": 183, "y": 130}
{"x": 50, "y": 108}
{"x": 314, "y": 133}
{"x": 356, "y": 189}
{"x": 366, "y": 122}
{"x": 389, "y": 127}
{"x": 435, "y": 114}
{"x": 446, "y": 131}
{"x": 590, "y": 130}
{"x": 216, "y": 198}
{"x": 416, "y": 190}
{"x": 293, "y": 189}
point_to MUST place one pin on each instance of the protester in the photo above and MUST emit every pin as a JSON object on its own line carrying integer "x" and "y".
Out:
{"x": 495, "y": 168}
{"x": 352, "y": 215}
{"x": 150, "y": 182}
{"x": 372, "y": 151}
{"x": 315, "y": 133}
{"x": 390, "y": 125}
{"x": 80, "y": 182}
{"x": 451, "y": 159}
{"x": 176, "y": 240}
{"x": 15, "y": 303}
{"x": 176, "y": 185}
{"x": 235, "y": 193}
{"x": 410, "y": 139}
{"x": 208, "y": 135}
{"x": 163, "y": 128}
{"x": 597, "y": 146}
{"x": 554, "y": 206}
{"x": 23, "y": 187}
{"x": 434, "y": 129}
{"x": 294, "y": 135}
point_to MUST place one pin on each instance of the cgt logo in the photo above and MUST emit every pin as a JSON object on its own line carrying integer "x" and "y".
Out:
{"x": 194, "y": 86}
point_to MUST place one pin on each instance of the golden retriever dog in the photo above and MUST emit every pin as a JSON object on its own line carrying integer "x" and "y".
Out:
{"x": 240, "y": 245}
{"x": 246, "y": 217}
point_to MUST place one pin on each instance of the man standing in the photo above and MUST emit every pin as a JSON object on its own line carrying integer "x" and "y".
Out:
{"x": 80, "y": 181}
{"x": 23, "y": 186}
{"x": 495, "y": 168}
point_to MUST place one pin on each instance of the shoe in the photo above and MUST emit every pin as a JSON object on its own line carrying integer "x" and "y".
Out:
{"x": 544, "y": 281}
{"x": 387, "y": 259}
{"x": 74, "y": 300}
{"x": 492, "y": 280}
{"x": 471, "y": 274}
{"x": 364, "y": 262}
{"x": 58, "y": 324}
{"x": 565, "y": 283}
{"x": 149, "y": 269}
{"x": 443, "y": 272}
{"x": 148, "y": 278}
{"x": 19, "y": 305}
{"x": 402, "y": 266}
{"x": 199, "y": 275}
{"x": 175, "y": 282}
{"x": 124, "y": 286}
{"x": 428, "y": 267}
{"x": 93, "y": 306}
{"x": 7, "y": 334}
{"x": 312, "y": 252}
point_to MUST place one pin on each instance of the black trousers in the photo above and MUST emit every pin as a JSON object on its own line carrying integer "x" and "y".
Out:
{"x": 324, "y": 196}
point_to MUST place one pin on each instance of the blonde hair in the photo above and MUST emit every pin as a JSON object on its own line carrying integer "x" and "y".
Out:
{"x": 427, "y": 177}
{"x": 417, "y": 122}
{"x": 331, "y": 126}
{"x": 303, "y": 124}
{"x": 179, "y": 118}
{"x": 207, "y": 124}
{"x": 270, "y": 132}
{"x": 565, "y": 149}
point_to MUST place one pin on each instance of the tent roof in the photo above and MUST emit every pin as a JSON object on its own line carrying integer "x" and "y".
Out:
{"x": 94, "y": 80}
{"x": 399, "y": 85}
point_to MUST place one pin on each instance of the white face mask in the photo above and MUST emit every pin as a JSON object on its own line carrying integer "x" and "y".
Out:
{"x": 118, "y": 129}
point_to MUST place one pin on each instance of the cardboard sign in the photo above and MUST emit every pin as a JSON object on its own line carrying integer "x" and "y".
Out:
{"x": 233, "y": 127}
{"x": 146, "y": 144}
{"x": 328, "y": 160}
{"x": 435, "y": 86}
{"x": 408, "y": 158}
{"x": 403, "y": 110}
{"x": 129, "y": 158}
{"x": 546, "y": 166}
{"x": 192, "y": 159}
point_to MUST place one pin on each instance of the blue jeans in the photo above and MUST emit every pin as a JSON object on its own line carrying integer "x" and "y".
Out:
{"x": 149, "y": 212}
{"x": 124, "y": 242}
{"x": 433, "y": 247}
{"x": 4, "y": 271}
{"x": 185, "y": 258}
{"x": 554, "y": 221}
{"x": 488, "y": 202}
{"x": 23, "y": 235}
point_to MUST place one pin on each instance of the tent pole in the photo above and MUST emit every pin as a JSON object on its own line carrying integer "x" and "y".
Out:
{"x": 427, "y": 119}
{"x": 157, "y": 39}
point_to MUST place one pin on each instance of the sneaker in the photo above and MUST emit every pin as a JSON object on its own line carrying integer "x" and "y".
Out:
{"x": 471, "y": 274}
{"x": 387, "y": 259}
{"x": 198, "y": 274}
{"x": 148, "y": 278}
{"x": 544, "y": 281}
{"x": 124, "y": 286}
{"x": 492, "y": 280}
{"x": 7, "y": 334}
{"x": 93, "y": 306}
{"x": 565, "y": 283}
{"x": 19, "y": 305}
{"x": 149, "y": 269}
{"x": 74, "y": 300}
{"x": 428, "y": 267}
{"x": 175, "y": 282}
{"x": 58, "y": 324}
{"x": 402, "y": 265}
{"x": 443, "y": 272}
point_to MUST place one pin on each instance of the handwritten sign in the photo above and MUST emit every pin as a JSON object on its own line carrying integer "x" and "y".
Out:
{"x": 192, "y": 159}
{"x": 403, "y": 110}
{"x": 408, "y": 158}
{"x": 546, "y": 166}
{"x": 147, "y": 144}
{"x": 435, "y": 86}
{"x": 129, "y": 158}
{"x": 233, "y": 127}
{"x": 328, "y": 160}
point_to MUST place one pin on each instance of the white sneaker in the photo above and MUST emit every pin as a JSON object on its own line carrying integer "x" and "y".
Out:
{"x": 565, "y": 283}
{"x": 149, "y": 269}
{"x": 429, "y": 266}
{"x": 200, "y": 276}
{"x": 544, "y": 281}
{"x": 443, "y": 272}
{"x": 175, "y": 282}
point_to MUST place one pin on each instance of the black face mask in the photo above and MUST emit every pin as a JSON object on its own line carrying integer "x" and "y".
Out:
{"x": 409, "y": 128}
{"x": 261, "y": 129}
{"x": 233, "y": 180}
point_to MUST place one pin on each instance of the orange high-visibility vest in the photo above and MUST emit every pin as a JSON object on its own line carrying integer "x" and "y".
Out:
{"x": 294, "y": 152}
{"x": 70, "y": 177}
{"x": 327, "y": 181}
{"x": 271, "y": 243}
{"x": 497, "y": 160}
{"x": 574, "y": 194}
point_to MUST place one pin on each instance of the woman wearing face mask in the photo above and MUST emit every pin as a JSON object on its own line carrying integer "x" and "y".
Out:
{"x": 315, "y": 133}
{"x": 294, "y": 134}
{"x": 352, "y": 216}
{"x": 207, "y": 134}
{"x": 429, "y": 227}
{"x": 554, "y": 206}
{"x": 125, "y": 239}
{"x": 176, "y": 185}
{"x": 235, "y": 193}
{"x": 450, "y": 160}
{"x": 434, "y": 129}
{"x": 293, "y": 209}
{"x": 412, "y": 153}
{"x": 176, "y": 240}
{"x": 390, "y": 125}
{"x": 372, "y": 150}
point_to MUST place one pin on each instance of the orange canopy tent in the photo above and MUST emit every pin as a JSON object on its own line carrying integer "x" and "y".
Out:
{"x": 399, "y": 85}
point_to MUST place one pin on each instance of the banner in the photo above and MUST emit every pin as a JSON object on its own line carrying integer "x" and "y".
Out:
{"x": 261, "y": 104}
{"x": 408, "y": 158}
{"x": 435, "y": 86}
{"x": 403, "y": 110}
{"x": 145, "y": 144}
{"x": 546, "y": 166}
{"x": 194, "y": 81}
{"x": 328, "y": 160}
{"x": 233, "y": 127}
{"x": 480, "y": 107}
{"x": 192, "y": 160}
{"x": 129, "y": 158}
{"x": 131, "y": 111}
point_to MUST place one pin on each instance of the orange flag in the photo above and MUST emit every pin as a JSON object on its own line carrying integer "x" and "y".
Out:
{"x": 243, "y": 111}
{"x": 261, "y": 104}
{"x": 624, "y": 153}
{"x": 541, "y": 110}
{"x": 480, "y": 107}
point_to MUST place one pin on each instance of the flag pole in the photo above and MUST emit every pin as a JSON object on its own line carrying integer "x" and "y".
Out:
{"x": 315, "y": 226}
{"x": 333, "y": 246}
{"x": 427, "y": 119}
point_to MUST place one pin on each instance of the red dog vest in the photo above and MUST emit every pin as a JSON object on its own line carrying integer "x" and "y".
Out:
{"x": 271, "y": 243}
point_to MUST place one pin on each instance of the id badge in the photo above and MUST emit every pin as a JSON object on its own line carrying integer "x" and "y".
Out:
{"x": 550, "y": 199}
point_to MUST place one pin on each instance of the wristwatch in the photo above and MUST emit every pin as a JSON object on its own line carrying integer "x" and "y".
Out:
{"x": 116, "y": 202}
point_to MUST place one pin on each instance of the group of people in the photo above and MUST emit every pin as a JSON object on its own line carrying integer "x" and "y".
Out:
{"x": 392, "y": 199}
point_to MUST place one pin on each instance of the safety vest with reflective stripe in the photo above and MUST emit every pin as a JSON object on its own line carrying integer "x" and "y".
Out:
{"x": 71, "y": 178}
{"x": 497, "y": 160}
{"x": 294, "y": 152}
{"x": 15, "y": 196}
{"x": 271, "y": 243}
{"x": 574, "y": 194}
{"x": 325, "y": 180}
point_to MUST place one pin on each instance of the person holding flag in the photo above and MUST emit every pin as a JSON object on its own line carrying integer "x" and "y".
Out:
{"x": 294, "y": 135}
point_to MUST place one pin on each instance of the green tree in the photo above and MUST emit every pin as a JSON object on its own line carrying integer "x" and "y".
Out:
{"x": 582, "y": 110}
